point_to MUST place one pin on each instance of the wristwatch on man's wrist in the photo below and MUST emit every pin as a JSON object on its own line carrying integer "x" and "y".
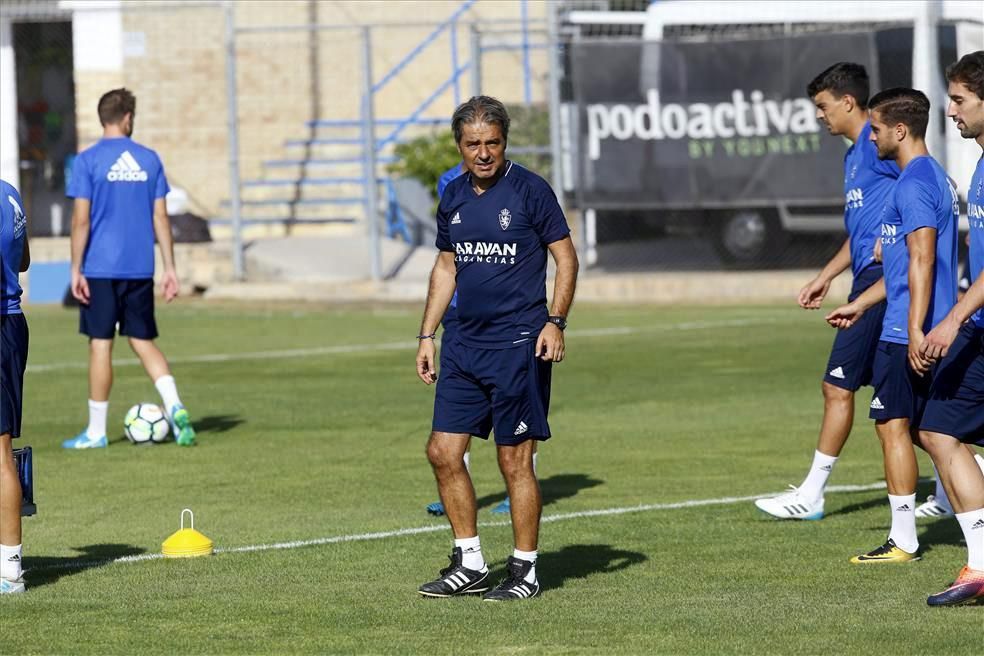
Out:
{"x": 560, "y": 322}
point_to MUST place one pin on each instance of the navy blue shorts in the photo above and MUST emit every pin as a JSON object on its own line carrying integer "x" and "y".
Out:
{"x": 956, "y": 398}
{"x": 13, "y": 362}
{"x": 129, "y": 303}
{"x": 900, "y": 393}
{"x": 853, "y": 353}
{"x": 480, "y": 390}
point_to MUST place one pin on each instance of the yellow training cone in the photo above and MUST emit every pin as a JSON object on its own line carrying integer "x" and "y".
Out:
{"x": 187, "y": 542}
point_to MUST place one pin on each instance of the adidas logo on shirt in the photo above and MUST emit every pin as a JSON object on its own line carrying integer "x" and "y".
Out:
{"x": 456, "y": 219}
{"x": 522, "y": 428}
{"x": 126, "y": 169}
{"x": 876, "y": 404}
{"x": 837, "y": 372}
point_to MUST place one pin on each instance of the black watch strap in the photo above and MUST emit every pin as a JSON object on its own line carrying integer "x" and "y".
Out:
{"x": 560, "y": 322}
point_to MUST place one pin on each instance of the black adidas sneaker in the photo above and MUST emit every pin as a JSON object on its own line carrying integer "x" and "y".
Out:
{"x": 514, "y": 586}
{"x": 456, "y": 579}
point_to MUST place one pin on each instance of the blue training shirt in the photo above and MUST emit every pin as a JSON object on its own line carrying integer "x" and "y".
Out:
{"x": 867, "y": 183}
{"x": 450, "y": 316}
{"x": 500, "y": 240}
{"x": 975, "y": 214}
{"x": 121, "y": 179}
{"x": 924, "y": 197}
{"x": 13, "y": 232}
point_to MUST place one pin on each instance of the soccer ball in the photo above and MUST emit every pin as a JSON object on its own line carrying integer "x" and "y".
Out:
{"x": 145, "y": 423}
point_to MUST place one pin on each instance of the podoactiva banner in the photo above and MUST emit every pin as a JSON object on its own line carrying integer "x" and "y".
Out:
{"x": 725, "y": 123}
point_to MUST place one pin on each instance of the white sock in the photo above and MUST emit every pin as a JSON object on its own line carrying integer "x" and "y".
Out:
{"x": 471, "y": 553}
{"x": 940, "y": 492}
{"x": 97, "y": 419}
{"x": 972, "y": 524}
{"x": 169, "y": 393}
{"x": 534, "y": 463}
{"x": 904, "y": 522}
{"x": 812, "y": 487}
{"x": 10, "y": 562}
{"x": 980, "y": 461}
{"x": 530, "y": 557}
{"x": 467, "y": 459}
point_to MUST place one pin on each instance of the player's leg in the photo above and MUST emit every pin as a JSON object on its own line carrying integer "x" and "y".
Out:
{"x": 504, "y": 507}
{"x": 139, "y": 325}
{"x": 964, "y": 484}
{"x": 955, "y": 414}
{"x": 901, "y": 475}
{"x": 10, "y": 520}
{"x": 437, "y": 508}
{"x": 848, "y": 369}
{"x": 520, "y": 406}
{"x": 98, "y": 320}
{"x": 467, "y": 572}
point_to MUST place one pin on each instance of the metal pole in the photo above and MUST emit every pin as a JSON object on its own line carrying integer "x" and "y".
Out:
{"x": 476, "y": 60}
{"x": 369, "y": 144}
{"x": 527, "y": 90}
{"x": 926, "y": 74}
{"x": 553, "y": 70}
{"x": 238, "y": 271}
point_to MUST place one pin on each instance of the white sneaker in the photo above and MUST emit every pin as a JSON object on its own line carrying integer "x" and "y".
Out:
{"x": 11, "y": 586}
{"x": 933, "y": 508}
{"x": 791, "y": 505}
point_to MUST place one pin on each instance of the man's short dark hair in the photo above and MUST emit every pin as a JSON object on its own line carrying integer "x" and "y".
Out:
{"x": 843, "y": 78}
{"x": 901, "y": 105}
{"x": 116, "y": 104}
{"x": 480, "y": 109}
{"x": 969, "y": 71}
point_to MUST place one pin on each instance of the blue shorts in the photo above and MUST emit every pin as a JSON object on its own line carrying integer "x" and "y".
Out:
{"x": 900, "y": 393}
{"x": 956, "y": 398}
{"x": 129, "y": 303}
{"x": 13, "y": 362}
{"x": 853, "y": 353}
{"x": 479, "y": 390}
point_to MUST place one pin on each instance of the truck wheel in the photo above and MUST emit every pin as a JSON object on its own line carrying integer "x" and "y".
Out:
{"x": 748, "y": 238}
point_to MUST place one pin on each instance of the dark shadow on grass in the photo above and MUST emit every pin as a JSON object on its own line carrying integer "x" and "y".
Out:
{"x": 578, "y": 561}
{"x": 924, "y": 488}
{"x": 217, "y": 423}
{"x": 552, "y": 489}
{"x": 940, "y": 530}
{"x": 44, "y": 570}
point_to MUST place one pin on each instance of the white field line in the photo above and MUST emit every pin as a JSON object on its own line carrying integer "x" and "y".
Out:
{"x": 392, "y": 346}
{"x": 382, "y": 535}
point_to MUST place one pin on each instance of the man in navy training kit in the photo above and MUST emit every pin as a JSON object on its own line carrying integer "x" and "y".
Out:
{"x": 119, "y": 189}
{"x": 840, "y": 94}
{"x": 955, "y": 410}
{"x": 919, "y": 247}
{"x": 494, "y": 228}
{"x": 450, "y": 323}
{"x": 15, "y": 257}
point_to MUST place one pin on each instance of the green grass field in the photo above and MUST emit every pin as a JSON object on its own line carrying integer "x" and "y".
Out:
{"x": 325, "y": 439}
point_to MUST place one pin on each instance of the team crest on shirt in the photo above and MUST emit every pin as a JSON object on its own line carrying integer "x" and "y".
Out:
{"x": 505, "y": 218}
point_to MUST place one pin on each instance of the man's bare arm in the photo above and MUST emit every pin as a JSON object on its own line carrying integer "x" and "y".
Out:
{"x": 921, "y": 244}
{"x": 439, "y": 293}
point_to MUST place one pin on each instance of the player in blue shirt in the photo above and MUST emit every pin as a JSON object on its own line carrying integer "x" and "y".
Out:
{"x": 919, "y": 248}
{"x": 119, "y": 189}
{"x": 955, "y": 410}
{"x": 495, "y": 226}
{"x": 450, "y": 324}
{"x": 840, "y": 94}
{"x": 15, "y": 257}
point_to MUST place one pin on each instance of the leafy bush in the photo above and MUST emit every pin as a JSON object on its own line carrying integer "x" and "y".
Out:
{"x": 427, "y": 157}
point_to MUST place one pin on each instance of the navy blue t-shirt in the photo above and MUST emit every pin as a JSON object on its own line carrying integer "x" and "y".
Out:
{"x": 867, "y": 184}
{"x": 13, "y": 231}
{"x": 924, "y": 197}
{"x": 121, "y": 179}
{"x": 500, "y": 240}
